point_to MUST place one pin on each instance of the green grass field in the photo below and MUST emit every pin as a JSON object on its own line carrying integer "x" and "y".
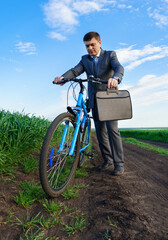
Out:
{"x": 158, "y": 135}
{"x": 21, "y": 138}
{"x": 20, "y": 135}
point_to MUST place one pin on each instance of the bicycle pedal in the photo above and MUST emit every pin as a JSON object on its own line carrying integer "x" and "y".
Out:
{"x": 90, "y": 155}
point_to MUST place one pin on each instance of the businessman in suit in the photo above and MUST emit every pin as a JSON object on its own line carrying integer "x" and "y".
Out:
{"x": 104, "y": 65}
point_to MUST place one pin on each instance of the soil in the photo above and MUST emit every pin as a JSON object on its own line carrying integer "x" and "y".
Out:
{"x": 132, "y": 206}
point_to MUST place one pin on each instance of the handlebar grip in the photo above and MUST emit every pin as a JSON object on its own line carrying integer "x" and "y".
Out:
{"x": 59, "y": 82}
{"x": 103, "y": 81}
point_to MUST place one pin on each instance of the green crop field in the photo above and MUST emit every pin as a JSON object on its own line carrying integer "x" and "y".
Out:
{"x": 21, "y": 138}
{"x": 158, "y": 135}
{"x": 20, "y": 135}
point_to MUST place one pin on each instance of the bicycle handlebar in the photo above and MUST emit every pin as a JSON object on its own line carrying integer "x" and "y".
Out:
{"x": 90, "y": 79}
{"x": 65, "y": 80}
{"x": 97, "y": 80}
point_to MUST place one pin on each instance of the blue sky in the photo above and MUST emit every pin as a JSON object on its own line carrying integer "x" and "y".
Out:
{"x": 42, "y": 39}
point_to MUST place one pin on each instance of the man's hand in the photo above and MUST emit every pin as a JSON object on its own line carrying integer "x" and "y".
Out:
{"x": 112, "y": 83}
{"x": 58, "y": 79}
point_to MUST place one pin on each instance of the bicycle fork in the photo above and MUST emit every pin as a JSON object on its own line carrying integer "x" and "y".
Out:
{"x": 77, "y": 112}
{"x": 72, "y": 147}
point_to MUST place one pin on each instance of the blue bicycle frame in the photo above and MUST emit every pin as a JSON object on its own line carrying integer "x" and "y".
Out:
{"x": 80, "y": 123}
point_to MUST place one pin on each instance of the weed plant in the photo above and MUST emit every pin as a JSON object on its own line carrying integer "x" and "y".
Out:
{"x": 30, "y": 235}
{"x": 28, "y": 164}
{"x": 107, "y": 235}
{"x": 28, "y": 222}
{"x": 50, "y": 222}
{"x": 37, "y": 235}
{"x": 78, "y": 223}
{"x": 81, "y": 172}
{"x": 111, "y": 222}
{"x": 72, "y": 192}
{"x": 29, "y": 194}
{"x": 53, "y": 207}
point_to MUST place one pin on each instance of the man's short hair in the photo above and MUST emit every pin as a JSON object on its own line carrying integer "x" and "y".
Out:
{"x": 88, "y": 36}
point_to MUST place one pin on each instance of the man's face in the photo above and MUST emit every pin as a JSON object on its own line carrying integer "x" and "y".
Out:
{"x": 93, "y": 46}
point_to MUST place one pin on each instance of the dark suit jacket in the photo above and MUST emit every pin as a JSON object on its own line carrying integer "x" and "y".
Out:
{"x": 108, "y": 66}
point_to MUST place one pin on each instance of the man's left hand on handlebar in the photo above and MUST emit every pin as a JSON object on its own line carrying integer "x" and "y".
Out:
{"x": 112, "y": 83}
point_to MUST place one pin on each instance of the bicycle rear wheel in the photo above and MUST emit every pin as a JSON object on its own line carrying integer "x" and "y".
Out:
{"x": 84, "y": 141}
{"x": 56, "y": 167}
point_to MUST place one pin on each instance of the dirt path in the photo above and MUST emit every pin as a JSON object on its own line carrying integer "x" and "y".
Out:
{"x": 135, "y": 203}
{"x": 132, "y": 206}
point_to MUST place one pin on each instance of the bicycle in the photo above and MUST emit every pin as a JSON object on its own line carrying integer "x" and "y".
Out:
{"x": 65, "y": 144}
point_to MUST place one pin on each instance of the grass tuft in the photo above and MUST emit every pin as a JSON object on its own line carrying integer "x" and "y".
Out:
{"x": 29, "y": 194}
{"x": 81, "y": 172}
{"x": 53, "y": 207}
{"x": 78, "y": 223}
{"x": 29, "y": 164}
{"x": 29, "y": 223}
{"x": 72, "y": 192}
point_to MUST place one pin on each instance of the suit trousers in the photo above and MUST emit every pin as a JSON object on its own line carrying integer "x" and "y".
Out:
{"x": 110, "y": 142}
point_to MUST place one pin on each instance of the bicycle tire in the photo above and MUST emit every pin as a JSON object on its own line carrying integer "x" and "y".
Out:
{"x": 84, "y": 141}
{"x": 56, "y": 169}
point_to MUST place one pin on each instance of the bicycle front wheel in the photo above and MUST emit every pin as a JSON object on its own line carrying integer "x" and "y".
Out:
{"x": 57, "y": 167}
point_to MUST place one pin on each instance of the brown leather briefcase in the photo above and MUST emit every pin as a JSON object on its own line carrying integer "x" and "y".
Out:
{"x": 113, "y": 104}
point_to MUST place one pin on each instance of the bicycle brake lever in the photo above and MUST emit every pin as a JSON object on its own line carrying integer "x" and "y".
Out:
{"x": 94, "y": 80}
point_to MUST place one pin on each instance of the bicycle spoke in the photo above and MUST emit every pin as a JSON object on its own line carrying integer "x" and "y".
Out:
{"x": 59, "y": 171}
{"x": 56, "y": 170}
{"x": 58, "y": 166}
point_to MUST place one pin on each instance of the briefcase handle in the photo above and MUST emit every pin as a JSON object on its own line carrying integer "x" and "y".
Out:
{"x": 112, "y": 90}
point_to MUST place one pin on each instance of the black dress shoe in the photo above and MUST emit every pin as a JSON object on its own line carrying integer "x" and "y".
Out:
{"x": 119, "y": 170}
{"x": 106, "y": 166}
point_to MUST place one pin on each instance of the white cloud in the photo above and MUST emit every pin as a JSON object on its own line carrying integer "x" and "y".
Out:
{"x": 123, "y": 44}
{"x": 150, "y": 90}
{"x": 122, "y": 6}
{"x": 134, "y": 57}
{"x": 10, "y": 60}
{"x": 18, "y": 70}
{"x": 85, "y": 7}
{"x": 55, "y": 35}
{"x": 60, "y": 14}
{"x": 28, "y": 48}
{"x": 63, "y": 16}
{"x": 159, "y": 15}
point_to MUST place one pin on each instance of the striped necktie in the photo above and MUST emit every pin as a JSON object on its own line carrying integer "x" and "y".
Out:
{"x": 95, "y": 63}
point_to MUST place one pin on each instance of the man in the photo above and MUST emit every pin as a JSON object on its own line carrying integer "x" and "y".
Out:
{"x": 104, "y": 65}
